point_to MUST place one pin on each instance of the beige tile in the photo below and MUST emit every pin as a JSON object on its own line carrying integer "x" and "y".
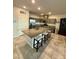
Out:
{"x": 54, "y": 49}
{"x": 44, "y": 56}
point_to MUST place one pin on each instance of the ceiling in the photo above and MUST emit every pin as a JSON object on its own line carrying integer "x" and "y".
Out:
{"x": 57, "y": 7}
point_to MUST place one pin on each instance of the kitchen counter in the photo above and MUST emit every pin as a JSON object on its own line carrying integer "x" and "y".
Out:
{"x": 34, "y": 32}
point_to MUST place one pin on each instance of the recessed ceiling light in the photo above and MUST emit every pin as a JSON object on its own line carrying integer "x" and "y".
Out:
{"x": 49, "y": 13}
{"x": 39, "y": 8}
{"x": 24, "y": 6}
{"x": 33, "y": 1}
{"x": 42, "y": 13}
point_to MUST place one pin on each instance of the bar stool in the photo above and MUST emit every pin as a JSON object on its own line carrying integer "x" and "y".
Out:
{"x": 38, "y": 41}
{"x": 49, "y": 34}
{"x": 45, "y": 37}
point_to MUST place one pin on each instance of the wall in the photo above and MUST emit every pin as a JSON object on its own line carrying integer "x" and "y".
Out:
{"x": 20, "y": 21}
{"x": 57, "y": 17}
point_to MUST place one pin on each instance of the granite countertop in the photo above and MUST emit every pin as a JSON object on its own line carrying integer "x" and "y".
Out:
{"x": 34, "y": 32}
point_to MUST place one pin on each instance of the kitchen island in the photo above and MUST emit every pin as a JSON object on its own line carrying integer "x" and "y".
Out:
{"x": 32, "y": 33}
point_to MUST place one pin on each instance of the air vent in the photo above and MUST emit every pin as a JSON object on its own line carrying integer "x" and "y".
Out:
{"x": 22, "y": 12}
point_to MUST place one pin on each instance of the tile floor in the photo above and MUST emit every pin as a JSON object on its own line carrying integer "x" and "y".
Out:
{"x": 55, "y": 48}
